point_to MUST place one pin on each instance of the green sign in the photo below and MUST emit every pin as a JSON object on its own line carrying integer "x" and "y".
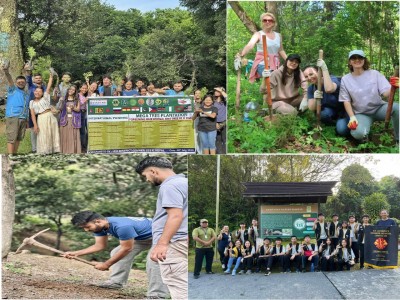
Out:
{"x": 140, "y": 124}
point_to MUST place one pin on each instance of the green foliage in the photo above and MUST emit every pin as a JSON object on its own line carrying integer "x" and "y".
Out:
{"x": 335, "y": 27}
{"x": 373, "y": 204}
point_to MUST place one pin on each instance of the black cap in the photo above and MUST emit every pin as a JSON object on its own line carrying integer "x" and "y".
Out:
{"x": 293, "y": 57}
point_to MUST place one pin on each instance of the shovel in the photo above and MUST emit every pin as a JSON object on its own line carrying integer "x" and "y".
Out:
{"x": 271, "y": 117}
{"x": 317, "y": 135}
{"x": 376, "y": 136}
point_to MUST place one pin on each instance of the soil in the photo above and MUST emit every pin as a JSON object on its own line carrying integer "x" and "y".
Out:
{"x": 35, "y": 276}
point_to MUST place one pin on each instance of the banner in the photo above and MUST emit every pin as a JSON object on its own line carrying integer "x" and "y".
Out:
{"x": 287, "y": 220}
{"x": 140, "y": 124}
{"x": 380, "y": 247}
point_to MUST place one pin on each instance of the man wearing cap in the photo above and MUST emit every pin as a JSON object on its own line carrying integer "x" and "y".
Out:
{"x": 362, "y": 91}
{"x": 285, "y": 85}
{"x": 334, "y": 230}
{"x": 361, "y": 238}
{"x": 321, "y": 229}
{"x": 353, "y": 226}
{"x": 385, "y": 220}
{"x": 204, "y": 237}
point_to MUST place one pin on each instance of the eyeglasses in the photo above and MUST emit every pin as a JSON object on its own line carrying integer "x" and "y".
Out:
{"x": 268, "y": 21}
{"x": 355, "y": 57}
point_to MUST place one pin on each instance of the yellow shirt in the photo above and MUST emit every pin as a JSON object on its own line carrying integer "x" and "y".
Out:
{"x": 204, "y": 234}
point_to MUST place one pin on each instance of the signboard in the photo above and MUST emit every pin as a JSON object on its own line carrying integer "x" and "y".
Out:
{"x": 140, "y": 124}
{"x": 287, "y": 220}
{"x": 380, "y": 246}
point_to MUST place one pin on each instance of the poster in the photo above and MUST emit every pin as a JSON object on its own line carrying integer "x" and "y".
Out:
{"x": 287, "y": 220}
{"x": 380, "y": 247}
{"x": 140, "y": 124}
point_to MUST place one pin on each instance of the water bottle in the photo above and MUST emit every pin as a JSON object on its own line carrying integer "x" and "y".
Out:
{"x": 249, "y": 106}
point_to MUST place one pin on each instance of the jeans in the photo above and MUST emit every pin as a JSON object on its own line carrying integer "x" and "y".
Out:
{"x": 365, "y": 121}
{"x": 83, "y": 131}
{"x": 314, "y": 262}
{"x": 233, "y": 260}
{"x": 208, "y": 139}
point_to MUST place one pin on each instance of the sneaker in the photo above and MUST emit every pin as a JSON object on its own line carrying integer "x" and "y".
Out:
{"x": 227, "y": 271}
{"x": 233, "y": 272}
{"x": 267, "y": 273}
{"x": 110, "y": 285}
{"x": 248, "y": 272}
{"x": 241, "y": 272}
{"x": 210, "y": 272}
{"x": 297, "y": 271}
{"x": 223, "y": 266}
{"x": 196, "y": 276}
{"x": 288, "y": 271}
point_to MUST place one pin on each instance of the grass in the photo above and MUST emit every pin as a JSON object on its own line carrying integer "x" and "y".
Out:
{"x": 291, "y": 134}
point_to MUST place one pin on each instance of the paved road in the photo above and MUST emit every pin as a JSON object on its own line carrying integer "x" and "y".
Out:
{"x": 359, "y": 284}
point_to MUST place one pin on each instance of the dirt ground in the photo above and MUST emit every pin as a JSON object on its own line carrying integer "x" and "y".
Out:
{"x": 35, "y": 276}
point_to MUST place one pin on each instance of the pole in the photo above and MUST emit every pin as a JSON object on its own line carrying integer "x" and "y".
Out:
{"x": 217, "y": 203}
{"x": 319, "y": 87}
{"x": 267, "y": 82}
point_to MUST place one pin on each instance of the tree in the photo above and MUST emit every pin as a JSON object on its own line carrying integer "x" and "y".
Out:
{"x": 373, "y": 204}
{"x": 10, "y": 42}
{"x": 390, "y": 186}
{"x": 8, "y": 205}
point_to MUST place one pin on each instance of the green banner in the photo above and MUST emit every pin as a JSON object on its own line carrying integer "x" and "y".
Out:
{"x": 140, "y": 124}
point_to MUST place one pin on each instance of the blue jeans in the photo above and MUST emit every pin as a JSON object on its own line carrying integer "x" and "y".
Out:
{"x": 314, "y": 262}
{"x": 329, "y": 115}
{"x": 232, "y": 260}
{"x": 83, "y": 131}
{"x": 260, "y": 69}
{"x": 365, "y": 121}
{"x": 208, "y": 139}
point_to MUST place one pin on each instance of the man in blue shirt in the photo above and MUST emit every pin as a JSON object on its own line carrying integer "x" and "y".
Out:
{"x": 385, "y": 220}
{"x": 134, "y": 236}
{"x": 17, "y": 110}
{"x": 177, "y": 91}
{"x": 108, "y": 88}
{"x": 170, "y": 223}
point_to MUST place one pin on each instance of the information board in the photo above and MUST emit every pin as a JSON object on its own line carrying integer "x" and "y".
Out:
{"x": 140, "y": 124}
{"x": 287, "y": 220}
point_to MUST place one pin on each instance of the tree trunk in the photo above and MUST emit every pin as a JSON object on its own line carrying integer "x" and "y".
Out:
{"x": 10, "y": 41}
{"x": 8, "y": 205}
{"x": 242, "y": 15}
{"x": 272, "y": 8}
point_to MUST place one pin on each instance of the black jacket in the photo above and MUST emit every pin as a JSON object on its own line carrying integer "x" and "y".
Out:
{"x": 318, "y": 230}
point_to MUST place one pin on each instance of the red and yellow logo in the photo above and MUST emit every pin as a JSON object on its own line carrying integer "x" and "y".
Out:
{"x": 380, "y": 243}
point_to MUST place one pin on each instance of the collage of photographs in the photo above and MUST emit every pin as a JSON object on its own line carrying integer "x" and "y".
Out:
{"x": 182, "y": 149}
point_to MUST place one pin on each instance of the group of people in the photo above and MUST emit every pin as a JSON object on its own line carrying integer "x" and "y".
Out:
{"x": 339, "y": 246}
{"x": 210, "y": 122}
{"x": 351, "y": 103}
{"x": 165, "y": 236}
{"x": 58, "y": 118}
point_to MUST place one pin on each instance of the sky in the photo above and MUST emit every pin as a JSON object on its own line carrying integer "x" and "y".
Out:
{"x": 143, "y": 6}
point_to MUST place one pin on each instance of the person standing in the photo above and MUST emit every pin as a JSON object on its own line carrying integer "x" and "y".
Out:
{"x": 361, "y": 238}
{"x": 224, "y": 238}
{"x": 204, "y": 237}
{"x": 353, "y": 226}
{"x": 274, "y": 46}
{"x": 385, "y": 220}
{"x": 321, "y": 229}
{"x": 334, "y": 230}
{"x": 220, "y": 104}
{"x": 134, "y": 235}
{"x": 17, "y": 110}
{"x": 242, "y": 233}
{"x": 170, "y": 222}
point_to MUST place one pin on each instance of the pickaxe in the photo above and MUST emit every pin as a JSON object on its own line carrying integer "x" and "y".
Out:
{"x": 32, "y": 242}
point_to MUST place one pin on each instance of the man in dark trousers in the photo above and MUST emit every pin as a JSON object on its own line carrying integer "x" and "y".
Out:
{"x": 204, "y": 237}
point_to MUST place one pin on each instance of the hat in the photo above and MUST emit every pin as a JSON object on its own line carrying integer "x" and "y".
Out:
{"x": 203, "y": 221}
{"x": 357, "y": 52}
{"x": 293, "y": 57}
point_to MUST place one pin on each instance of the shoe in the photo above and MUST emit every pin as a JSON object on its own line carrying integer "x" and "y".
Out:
{"x": 241, "y": 272}
{"x": 196, "y": 276}
{"x": 233, "y": 272}
{"x": 248, "y": 272}
{"x": 297, "y": 271}
{"x": 257, "y": 270}
{"x": 227, "y": 271}
{"x": 223, "y": 266}
{"x": 288, "y": 271}
{"x": 361, "y": 267}
{"x": 110, "y": 285}
{"x": 303, "y": 271}
{"x": 267, "y": 273}
{"x": 210, "y": 272}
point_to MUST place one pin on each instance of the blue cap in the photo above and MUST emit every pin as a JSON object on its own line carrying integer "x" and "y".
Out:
{"x": 357, "y": 52}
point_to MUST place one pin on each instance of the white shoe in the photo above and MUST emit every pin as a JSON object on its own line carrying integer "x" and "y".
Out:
{"x": 223, "y": 266}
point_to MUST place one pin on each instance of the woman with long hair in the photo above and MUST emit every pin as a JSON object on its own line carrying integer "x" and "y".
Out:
{"x": 285, "y": 84}
{"x": 70, "y": 122}
{"x": 220, "y": 103}
{"x": 248, "y": 258}
{"x": 327, "y": 255}
{"x": 83, "y": 98}
{"x": 345, "y": 255}
{"x": 235, "y": 257}
{"x": 44, "y": 122}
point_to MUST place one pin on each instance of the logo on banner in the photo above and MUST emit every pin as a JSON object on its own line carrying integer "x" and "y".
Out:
{"x": 380, "y": 243}
{"x": 141, "y": 101}
{"x": 150, "y": 102}
{"x": 299, "y": 224}
{"x": 115, "y": 102}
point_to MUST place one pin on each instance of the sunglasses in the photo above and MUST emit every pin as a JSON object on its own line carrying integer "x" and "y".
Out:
{"x": 354, "y": 57}
{"x": 268, "y": 21}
